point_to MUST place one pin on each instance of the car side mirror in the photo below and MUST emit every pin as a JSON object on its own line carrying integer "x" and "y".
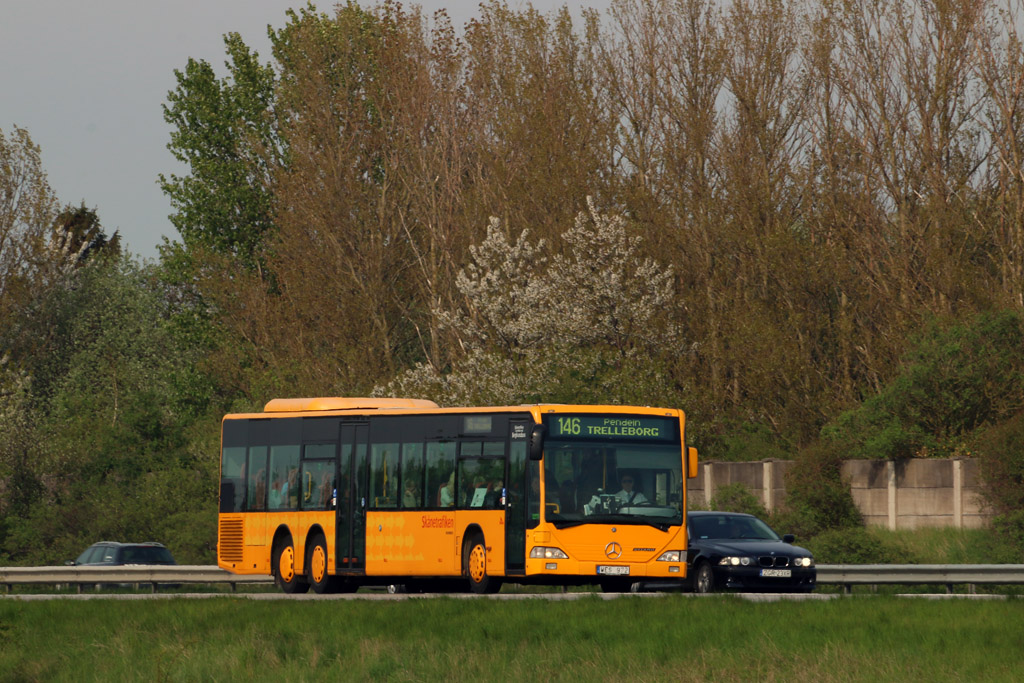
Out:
{"x": 788, "y": 538}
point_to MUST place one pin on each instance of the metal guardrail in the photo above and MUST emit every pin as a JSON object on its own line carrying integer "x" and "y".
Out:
{"x": 845, "y": 575}
{"x": 849, "y": 575}
{"x": 128, "y": 574}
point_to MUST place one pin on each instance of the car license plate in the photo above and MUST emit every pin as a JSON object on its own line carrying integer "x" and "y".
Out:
{"x": 779, "y": 573}
{"x": 613, "y": 571}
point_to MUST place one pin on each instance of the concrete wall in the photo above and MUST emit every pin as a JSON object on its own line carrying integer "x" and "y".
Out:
{"x": 907, "y": 494}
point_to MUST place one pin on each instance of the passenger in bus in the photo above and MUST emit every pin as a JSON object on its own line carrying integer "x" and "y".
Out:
{"x": 326, "y": 490}
{"x": 446, "y": 496}
{"x": 258, "y": 491}
{"x": 628, "y": 495}
{"x": 275, "y": 492}
{"x": 292, "y": 499}
{"x": 475, "y": 494}
{"x": 492, "y": 499}
{"x": 411, "y": 497}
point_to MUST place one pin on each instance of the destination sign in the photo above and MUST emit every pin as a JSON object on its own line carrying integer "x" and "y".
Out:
{"x": 612, "y": 426}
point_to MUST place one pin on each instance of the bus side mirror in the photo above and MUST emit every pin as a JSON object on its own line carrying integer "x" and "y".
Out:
{"x": 537, "y": 442}
{"x": 691, "y": 462}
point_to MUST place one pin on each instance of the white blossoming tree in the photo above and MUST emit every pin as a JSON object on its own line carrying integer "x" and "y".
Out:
{"x": 585, "y": 323}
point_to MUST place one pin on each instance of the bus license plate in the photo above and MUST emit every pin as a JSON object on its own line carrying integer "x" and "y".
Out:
{"x": 613, "y": 571}
{"x": 780, "y": 573}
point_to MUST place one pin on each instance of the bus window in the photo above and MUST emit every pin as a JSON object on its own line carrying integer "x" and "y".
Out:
{"x": 482, "y": 483}
{"x": 232, "y": 482}
{"x": 257, "y": 478}
{"x": 412, "y": 475}
{"x": 317, "y": 484}
{"x": 384, "y": 475}
{"x": 533, "y": 495}
{"x": 284, "y": 477}
{"x": 441, "y": 474}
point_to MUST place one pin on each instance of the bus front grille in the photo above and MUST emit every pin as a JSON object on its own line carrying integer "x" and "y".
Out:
{"x": 230, "y": 541}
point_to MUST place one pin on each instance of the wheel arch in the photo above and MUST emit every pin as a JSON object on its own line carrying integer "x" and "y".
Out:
{"x": 283, "y": 534}
{"x": 471, "y": 531}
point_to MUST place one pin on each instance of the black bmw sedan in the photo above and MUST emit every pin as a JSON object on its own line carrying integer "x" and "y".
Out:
{"x": 735, "y": 551}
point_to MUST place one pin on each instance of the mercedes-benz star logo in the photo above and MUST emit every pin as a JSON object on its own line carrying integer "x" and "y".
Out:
{"x": 613, "y": 551}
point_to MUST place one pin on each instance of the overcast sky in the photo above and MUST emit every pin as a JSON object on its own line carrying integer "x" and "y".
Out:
{"x": 87, "y": 79}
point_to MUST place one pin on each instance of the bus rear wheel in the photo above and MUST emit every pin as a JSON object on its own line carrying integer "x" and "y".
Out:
{"x": 284, "y": 569}
{"x": 474, "y": 566}
{"x": 316, "y": 566}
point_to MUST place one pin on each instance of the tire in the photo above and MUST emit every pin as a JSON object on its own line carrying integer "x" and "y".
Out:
{"x": 284, "y": 569}
{"x": 704, "y": 579}
{"x": 316, "y": 566}
{"x": 474, "y": 567}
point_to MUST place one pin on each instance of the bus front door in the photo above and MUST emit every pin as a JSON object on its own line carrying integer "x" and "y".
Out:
{"x": 516, "y": 508}
{"x": 351, "y": 522}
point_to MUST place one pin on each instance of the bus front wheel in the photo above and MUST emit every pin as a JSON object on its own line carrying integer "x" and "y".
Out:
{"x": 284, "y": 569}
{"x": 474, "y": 566}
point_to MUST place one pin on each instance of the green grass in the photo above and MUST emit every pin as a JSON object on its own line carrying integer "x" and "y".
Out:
{"x": 665, "y": 638}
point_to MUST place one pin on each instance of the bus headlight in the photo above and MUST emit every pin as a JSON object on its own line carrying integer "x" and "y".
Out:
{"x": 670, "y": 556}
{"x": 540, "y": 552}
{"x": 734, "y": 561}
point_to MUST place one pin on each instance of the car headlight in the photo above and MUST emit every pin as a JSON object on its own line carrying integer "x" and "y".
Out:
{"x": 734, "y": 561}
{"x": 670, "y": 556}
{"x": 803, "y": 561}
{"x": 540, "y": 552}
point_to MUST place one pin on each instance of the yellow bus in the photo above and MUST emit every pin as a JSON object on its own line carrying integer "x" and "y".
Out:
{"x": 338, "y": 493}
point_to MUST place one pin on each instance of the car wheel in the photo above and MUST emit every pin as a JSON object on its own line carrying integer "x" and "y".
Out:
{"x": 704, "y": 579}
{"x": 474, "y": 567}
{"x": 284, "y": 569}
{"x": 316, "y": 566}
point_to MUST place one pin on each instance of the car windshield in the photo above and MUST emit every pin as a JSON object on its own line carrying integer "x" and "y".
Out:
{"x": 598, "y": 482}
{"x": 730, "y": 527}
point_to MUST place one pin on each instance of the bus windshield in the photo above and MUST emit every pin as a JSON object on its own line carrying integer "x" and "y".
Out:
{"x": 629, "y": 480}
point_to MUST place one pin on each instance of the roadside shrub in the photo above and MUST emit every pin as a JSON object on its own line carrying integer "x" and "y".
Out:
{"x": 856, "y": 545}
{"x": 1000, "y": 452}
{"x": 738, "y": 498}
{"x": 817, "y": 498}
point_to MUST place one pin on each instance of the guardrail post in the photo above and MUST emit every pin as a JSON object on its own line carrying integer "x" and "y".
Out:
{"x": 890, "y": 470}
{"x": 958, "y": 493}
